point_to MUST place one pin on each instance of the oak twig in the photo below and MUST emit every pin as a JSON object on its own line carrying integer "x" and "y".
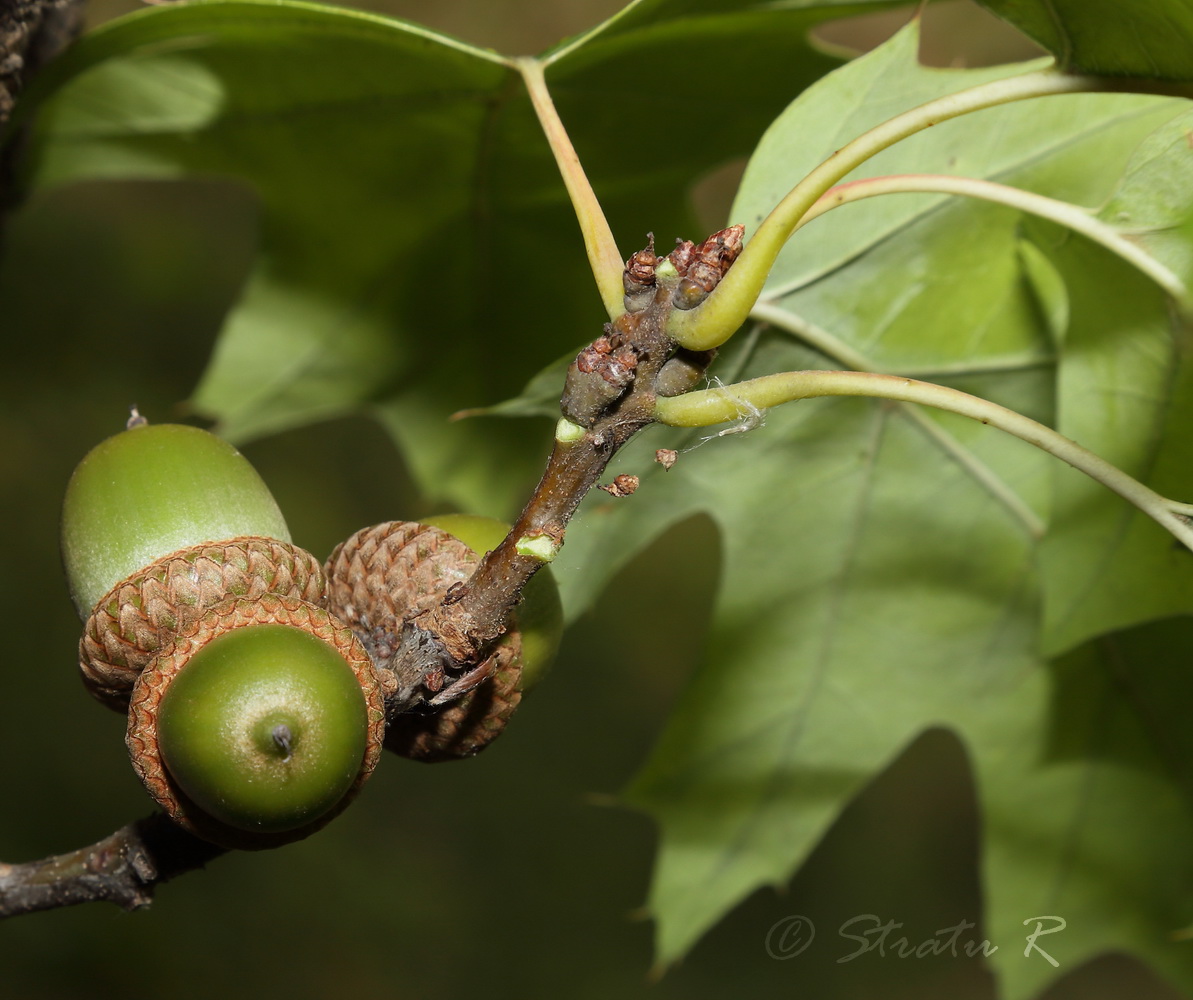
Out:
{"x": 123, "y": 868}
{"x": 610, "y": 394}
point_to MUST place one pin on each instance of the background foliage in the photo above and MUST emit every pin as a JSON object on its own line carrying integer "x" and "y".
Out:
{"x": 354, "y": 299}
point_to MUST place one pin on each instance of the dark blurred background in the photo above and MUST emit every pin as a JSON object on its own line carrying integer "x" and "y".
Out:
{"x": 512, "y": 875}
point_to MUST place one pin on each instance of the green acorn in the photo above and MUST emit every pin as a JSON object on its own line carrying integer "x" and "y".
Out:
{"x": 254, "y": 714}
{"x": 153, "y": 490}
{"x": 259, "y": 724}
{"x": 160, "y": 523}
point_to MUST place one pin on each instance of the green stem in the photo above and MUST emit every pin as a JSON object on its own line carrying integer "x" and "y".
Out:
{"x": 603, "y": 257}
{"x": 712, "y": 323}
{"x": 745, "y": 399}
{"x": 1063, "y": 213}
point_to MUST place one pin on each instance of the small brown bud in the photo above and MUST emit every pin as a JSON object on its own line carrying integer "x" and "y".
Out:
{"x": 639, "y": 269}
{"x": 600, "y": 375}
{"x": 695, "y": 287}
{"x": 722, "y": 248}
{"x": 624, "y": 359}
{"x": 682, "y": 372}
{"x": 683, "y": 255}
{"x": 622, "y": 486}
{"x": 707, "y": 266}
{"x": 666, "y": 457}
{"x": 587, "y": 360}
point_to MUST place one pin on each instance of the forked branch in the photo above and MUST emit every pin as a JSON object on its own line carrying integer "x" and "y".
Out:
{"x": 610, "y": 394}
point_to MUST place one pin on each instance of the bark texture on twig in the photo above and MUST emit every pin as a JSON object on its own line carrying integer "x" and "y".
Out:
{"x": 123, "y": 868}
{"x": 609, "y": 396}
{"x": 32, "y": 32}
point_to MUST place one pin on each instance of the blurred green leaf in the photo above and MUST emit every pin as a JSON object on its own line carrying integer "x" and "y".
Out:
{"x": 414, "y": 230}
{"x": 287, "y": 98}
{"x": 1125, "y": 391}
{"x": 1143, "y": 38}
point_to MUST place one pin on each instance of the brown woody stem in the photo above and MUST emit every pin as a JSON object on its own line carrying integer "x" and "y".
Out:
{"x": 609, "y": 396}
{"x": 123, "y": 868}
{"x": 457, "y": 633}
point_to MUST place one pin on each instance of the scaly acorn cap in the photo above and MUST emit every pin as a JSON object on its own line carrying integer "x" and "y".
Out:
{"x": 290, "y": 737}
{"x": 132, "y": 622}
{"x": 387, "y": 574}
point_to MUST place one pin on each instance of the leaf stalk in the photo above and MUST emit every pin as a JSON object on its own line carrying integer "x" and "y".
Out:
{"x": 1073, "y": 217}
{"x": 739, "y": 401}
{"x": 603, "y": 257}
{"x": 718, "y": 318}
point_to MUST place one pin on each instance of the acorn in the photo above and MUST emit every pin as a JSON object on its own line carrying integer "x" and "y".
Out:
{"x": 254, "y": 715}
{"x": 388, "y": 574}
{"x": 258, "y": 724}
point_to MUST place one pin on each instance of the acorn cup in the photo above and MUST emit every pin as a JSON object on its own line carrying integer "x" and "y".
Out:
{"x": 258, "y": 724}
{"x": 391, "y": 573}
{"x": 254, "y": 714}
